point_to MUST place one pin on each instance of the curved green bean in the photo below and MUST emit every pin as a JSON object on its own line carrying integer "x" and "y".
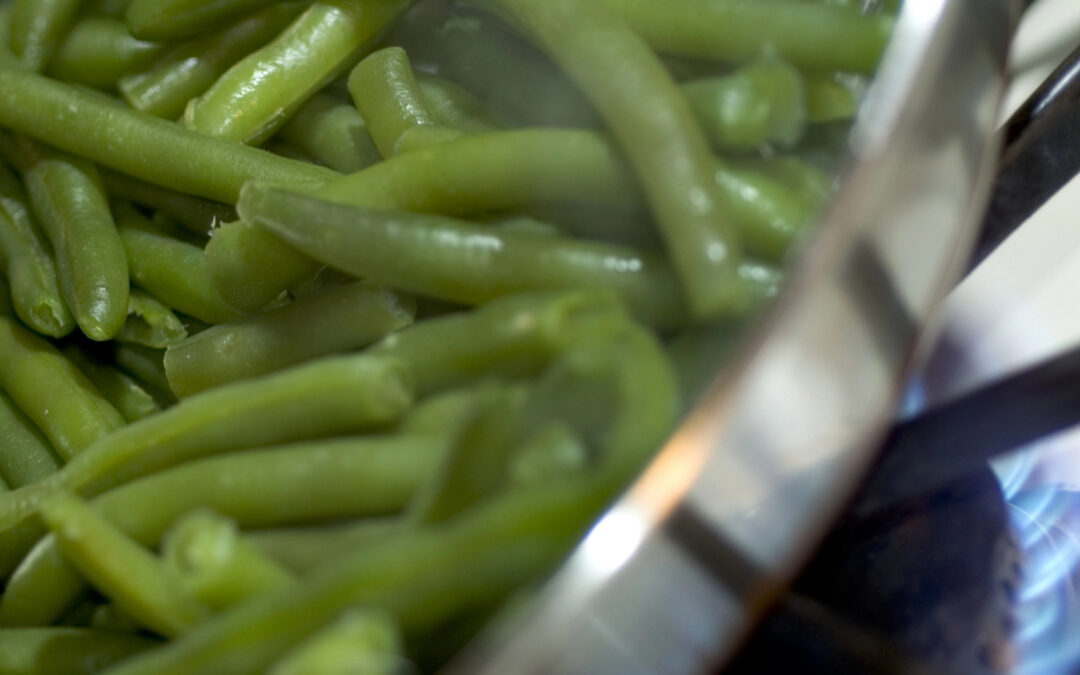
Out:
{"x": 176, "y": 19}
{"x": 27, "y": 263}
{"x": 267, "y": 487}
{"x": 321, "y": 398}
{"x": 173, "y": 271}
{"x": 135, "y": 143}
{"x": 69, "y": 201}
{"x": 37, "y": 28}
{"x": 338, "y": 319}
{"x": 129, "y": 398}
{"x": 192, "y": 67}
{"x": 126, "y": 573}
{"x": 98, "y": 51}
{"x": 65, "y": 651}
{"x": 808, "y": 34}
{"x": 27, "y": 456}
{"x": 250, "y": 101}
{"x": 150, "y": 323}
{"x": 367, "y": 640}
{"x": 205, "y": 553}
{"x": 52, "y": 392}
{"x": 459, "y": 261}
{"x": 197, "y": 216}
{"x": 333, "y": 132}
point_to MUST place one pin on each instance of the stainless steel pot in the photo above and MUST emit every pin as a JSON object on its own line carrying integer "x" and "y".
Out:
{"x": 675, "y": 574}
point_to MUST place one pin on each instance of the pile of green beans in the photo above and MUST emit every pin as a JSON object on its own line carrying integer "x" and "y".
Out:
{"x": 328, "y": 326}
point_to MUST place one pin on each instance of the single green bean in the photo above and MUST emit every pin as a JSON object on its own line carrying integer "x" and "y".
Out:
{"x": 368, "y": 641}
{"x": 150, "y": 323}
{"x": 770, "y": 213}
{"x": 38, "y": 27}
{"x": 267, "y": 487}
{"x": 52, "y": 392}
{"x": 423, "y": 579}
{"x": 126, "y": 573}
{"x": 197, "y": 216}
{"x": 98, "y": 51}
{"x": 554, "y": 452}
{"x": 303, "y": 549}
{"x": 454, "y": 106}
{"x": 459, "y": 261}
{"x": 176, "y": 19}
{"x": 27, "y": 456}
{"x": 69, "y": 201}
{"x": 214, "y": 565}
{"x": 804, "y": 180}
{"x": 321, "y": 398}
{"x": 333, "y": 132}
{"x": 260, "y": 92}
{"x": 156, "y": 150}
{"x": 810, "y": 35}
{"x": 339, "y": 319}
{"x": 477, "y": 174}
{"x": 65, "y": 651}
{"x": 762, "y": 103}
{"x": 829, "y": 100}
{"x": 129, "y": 397}
{"x": 173, "y": 271}
{"x": 656, "y": 128}
{"x": 31, "y": 273}
{"x": 147, "y": 367}
{"x": 191, "y": 68}
{"x": 386, "y": 94}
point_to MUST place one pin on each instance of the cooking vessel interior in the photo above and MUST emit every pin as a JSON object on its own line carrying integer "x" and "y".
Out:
{"x": 676, "y": 573}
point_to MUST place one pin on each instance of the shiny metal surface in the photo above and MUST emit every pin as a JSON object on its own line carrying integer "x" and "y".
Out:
{"x": 675, "y": 574}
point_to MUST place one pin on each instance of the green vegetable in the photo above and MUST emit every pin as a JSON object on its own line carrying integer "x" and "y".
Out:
{"x": 333, "y": 132}
{"x": 129, "y": 398}
{"x": 197, "y": 216}
{"x": 38, "y": 27}
{"x": 98, "y": 51}
{"x": 174, "y": 19}
{"x": 150, "y": 323}
{"x": 364, "y": 641}
{"x": 27, "y": 455}
{"x": 65, "y": 651}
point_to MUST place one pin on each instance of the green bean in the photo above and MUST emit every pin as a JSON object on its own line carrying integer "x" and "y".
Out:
{"x": 98, "y": 51}
{"x": 5, "y": 32}
{"x": 6, "y": 308}
{"x": 37, "y": 28}
{"x": 65, "y": 651}
{"x": 70, "y": 203}
{"x": 805, "y": 181}
{"x": 771, "y": 215}
{"x": 197, "y": 216}
{"x": 150, "y": 323}
{"x": 26, "y": 457}
{"x": 386, "y": 94}
{"x": 459, "y": 261}
{"x": 423, "y": 579}
{"x": 324, "y": 397}
{"x": 31, "y": 273}
{"x": 120, "y": 569}
{"x": 656, "y": 128}
{"x": 192, "y": 67}
{"x": 761, "y": 103}
{"x": 333, "y": 132}
{"x": 364, "y": 641}
{"x": 214, "y": 565}
{"x": 129, "y": 398}
{"x": 698, "y": 354}
{"x": 829, "y": 100}
{"x": 809, "y": 35}
{"x": 176, "y": 19}
{"x": 339, "y": 319}
{"x": 113, "y": 8}
{"x": 157, "y": 151}
{"x": 476, "y": 174}
{"x": 173, "y": 271}
{"x": 303, "y": 549}
{"x": 415, "y": 138}
{"x": 268, "y": 487}
{"x": 454, "y": 106}
{"x": 250, "y": 101}
{"x": 52, "y": 392}
{"x": 553, "y": 453}
{"x": 111, "y": 618}
{"x": 147, "y": 367}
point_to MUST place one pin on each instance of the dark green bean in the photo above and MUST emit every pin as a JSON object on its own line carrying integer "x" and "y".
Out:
{"x": 70, "y": 203}
{"x": 808, "y": 34}
{"x": 173, "y": 271}
{"x": 205, "y": 553}
{"x": 31, "y": 273}
{"x": 27, "y": 456}
{"x": 6, "y": 308}
{"x": 129, "y": 397}
{"x": 459, "y": 261}
{"x": 52, "y": 392}
{"x": 197, "y": 216}
{"x": 38, "y": 27}
{"x": 367, "y": 640}
{"x": 113, "y": 8}
{"x": 150, "y": 323}
{"x": 303, "y": 549}
{"x": 98, "y": 51}
{"x": 191, "y": 68}
{"x": 260, "y": 92}
{"x": 126, "y": 573}
{"x": 147, "y": 367}
{"x": 177, "y": 19}
{"x": 338, "y": 319}
{"x": 333, "y": 132}
{"x": 65, "y": 651}
{"x": 321, "y": 398}
{"x": 156, "y": 150}
{"x": 267, "y": 487}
